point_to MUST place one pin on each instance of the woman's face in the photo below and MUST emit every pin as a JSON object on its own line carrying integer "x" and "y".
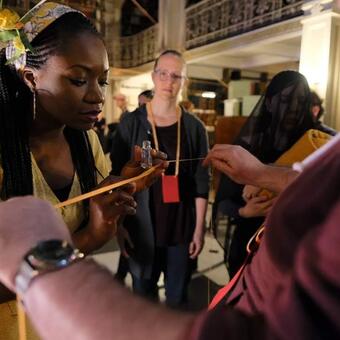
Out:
{"x": 288, "y": 104}
{"x": 168, "y": 77}
{"x": 70, "y": 87}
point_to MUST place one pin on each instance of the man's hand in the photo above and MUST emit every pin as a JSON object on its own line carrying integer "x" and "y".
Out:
{"x": 133, "y": 168}
{"x": 24, "y": 221}
{"x": 235, "y": 162}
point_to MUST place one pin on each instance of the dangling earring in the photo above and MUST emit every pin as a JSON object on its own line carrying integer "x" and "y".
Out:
{"x": 34, "y": 105}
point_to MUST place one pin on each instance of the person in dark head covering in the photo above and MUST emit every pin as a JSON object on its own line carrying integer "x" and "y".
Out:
{"x": 279, "y": 119}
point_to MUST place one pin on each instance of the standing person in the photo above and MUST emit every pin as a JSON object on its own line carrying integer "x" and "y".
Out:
{"x": 165, "y": 236}
{"x": 123, "y": 264}
{"x": 99, "y": 128}
{"x": 278, "y": 120}
{"x": 121, "y": 102}
{"x": 144, "y": 97}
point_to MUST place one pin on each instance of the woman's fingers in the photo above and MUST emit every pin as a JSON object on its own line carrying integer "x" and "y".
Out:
{"x": 250, "y": 191}
{"x": 116, "y": 202}
{"x": 158, "y": 157}
{"x": 133, "y": 168}
{"x": 124, "y": 239}
{"x": 120, "y": 203}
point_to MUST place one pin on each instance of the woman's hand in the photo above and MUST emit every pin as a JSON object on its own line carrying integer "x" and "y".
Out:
{"x": 250, "y": 191}
{"x": 105, "y": 210}
{"x": 123, "y": 238}
{"x": 196, "y": 245}
{"x": 257, "y": 206}
{"x": 133, "y": 168}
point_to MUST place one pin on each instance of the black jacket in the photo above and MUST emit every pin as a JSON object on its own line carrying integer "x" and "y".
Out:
{"x": 133, "y": 130}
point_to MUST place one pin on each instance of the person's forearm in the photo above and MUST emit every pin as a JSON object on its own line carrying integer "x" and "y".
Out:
{"x": 82, "y": 241}
{"x": 274, "y": 178}
{"x": 201, "y": 209}
{"x": 86, "y": 242}
{"x": 71, "y": 296}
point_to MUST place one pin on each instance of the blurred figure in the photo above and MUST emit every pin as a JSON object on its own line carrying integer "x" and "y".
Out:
{"x": 317, "y": 112}
{"x": 121, "y": 102}
{"x": 123, "y": 264}
{"x": 99, "y": 128}
{"x": 111, "y": 129}
{"x": 144, "y": 97}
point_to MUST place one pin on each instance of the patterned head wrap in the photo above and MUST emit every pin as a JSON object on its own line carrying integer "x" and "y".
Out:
{"x": 31, "y": 24}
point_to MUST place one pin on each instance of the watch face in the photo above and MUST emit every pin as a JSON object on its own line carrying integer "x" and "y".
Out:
{"x": 53, "y": 252}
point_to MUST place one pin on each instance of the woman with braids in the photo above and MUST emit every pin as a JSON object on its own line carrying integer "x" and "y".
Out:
{"x": 50, "y": 100}
{"x": 50, "y": 97}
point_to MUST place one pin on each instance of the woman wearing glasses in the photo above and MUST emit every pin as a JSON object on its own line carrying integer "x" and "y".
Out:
{"x": 167, "y": 233}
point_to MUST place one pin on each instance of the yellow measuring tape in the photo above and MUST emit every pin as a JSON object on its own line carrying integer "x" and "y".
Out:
{"x": 106, "y": 188}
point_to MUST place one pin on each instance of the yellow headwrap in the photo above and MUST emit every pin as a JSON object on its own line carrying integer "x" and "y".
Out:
{"x": 17, "y": 33}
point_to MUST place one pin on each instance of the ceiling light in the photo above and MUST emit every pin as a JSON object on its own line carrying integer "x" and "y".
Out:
{"x": 208, "y": 94}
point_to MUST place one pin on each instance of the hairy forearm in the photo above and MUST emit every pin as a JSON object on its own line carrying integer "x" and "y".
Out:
{"x": 274, "y": 178}
{"x": 71, "y": 296}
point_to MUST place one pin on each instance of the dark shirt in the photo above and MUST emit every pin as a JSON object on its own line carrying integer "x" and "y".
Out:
{"x": 63, "y": 193}
{"x": 173, "y": 222}
{"x": 133, "y": 130}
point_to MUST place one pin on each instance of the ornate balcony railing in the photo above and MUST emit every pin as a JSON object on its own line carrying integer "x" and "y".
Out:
{"x": 86, "y": 6}
{"x": 137, "y": 49}
{"x": 213, "y": 20}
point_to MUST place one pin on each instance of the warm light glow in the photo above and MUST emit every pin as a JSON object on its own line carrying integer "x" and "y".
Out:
{"x": 209, "y": 94}
{"x": 315, "y": 61}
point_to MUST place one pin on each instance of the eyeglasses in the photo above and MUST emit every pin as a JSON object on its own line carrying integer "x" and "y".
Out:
{"x": 165, "y": 75}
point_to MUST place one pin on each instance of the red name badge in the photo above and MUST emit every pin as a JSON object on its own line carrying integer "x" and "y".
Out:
{"x": 170, "y": 189}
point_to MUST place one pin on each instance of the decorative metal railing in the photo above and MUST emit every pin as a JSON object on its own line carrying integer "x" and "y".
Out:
{"x": 206, "y": 22}
{"x": 86, "y": 6}
{"x": 137, "y": 49}
{"x": 213, "y": 20}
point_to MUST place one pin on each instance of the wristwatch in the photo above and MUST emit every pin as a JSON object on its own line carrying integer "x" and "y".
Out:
{"x": 47, "y": 256}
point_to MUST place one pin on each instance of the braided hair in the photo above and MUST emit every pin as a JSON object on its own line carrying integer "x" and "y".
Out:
{"x": 16, "y": 114}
